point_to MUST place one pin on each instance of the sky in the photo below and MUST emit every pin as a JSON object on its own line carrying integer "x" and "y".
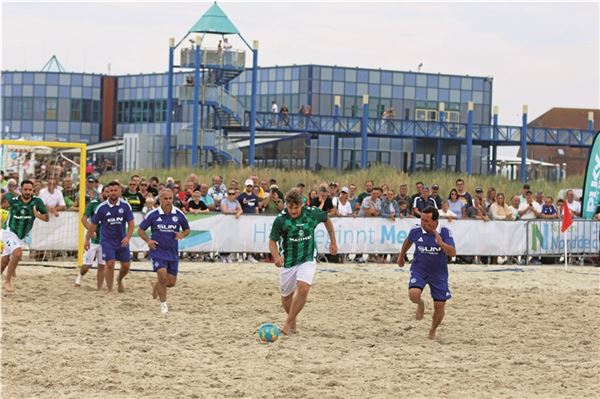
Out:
{"x": 542, "y": 54}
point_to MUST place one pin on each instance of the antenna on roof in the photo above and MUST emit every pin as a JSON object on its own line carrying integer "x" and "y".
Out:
{"x": 52, "y": 63}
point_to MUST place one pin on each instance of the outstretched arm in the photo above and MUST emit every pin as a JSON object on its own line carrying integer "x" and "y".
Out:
{"x": 332, "y": 241}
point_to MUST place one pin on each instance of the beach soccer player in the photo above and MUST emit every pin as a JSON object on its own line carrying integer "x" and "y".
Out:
{"x": 167, "y": 225}
{"x": 433, "y": 245}
{"x": 115, "y": 218}
{"x": 22, "y": 212}
{"x": 293, "y": 231}
{"x": 94, "y": 254}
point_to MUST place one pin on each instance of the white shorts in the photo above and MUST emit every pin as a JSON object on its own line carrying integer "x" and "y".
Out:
{"x": 11, "y": 242}
{"x": 288, "y": 278}
{"x": 93, "y": 254}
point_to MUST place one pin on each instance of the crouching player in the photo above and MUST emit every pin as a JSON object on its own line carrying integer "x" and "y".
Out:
{"x": 168, "y": 225}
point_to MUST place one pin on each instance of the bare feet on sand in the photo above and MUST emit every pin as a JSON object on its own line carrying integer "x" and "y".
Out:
{"x": 288, "y": 328}
{"x": 432, "y": 334}
{"x": 120, "y": 286}
{"x": 8, "y": 286}
{"x": 420, "y": 310}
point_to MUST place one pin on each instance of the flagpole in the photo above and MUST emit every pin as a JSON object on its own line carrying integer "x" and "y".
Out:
{"x": 566, "y": 264}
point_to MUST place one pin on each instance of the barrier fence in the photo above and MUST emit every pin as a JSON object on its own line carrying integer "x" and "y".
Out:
{"x": 250, "y": 233}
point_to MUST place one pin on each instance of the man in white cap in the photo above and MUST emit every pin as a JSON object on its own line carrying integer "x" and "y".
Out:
{"x": 250, "y": 205}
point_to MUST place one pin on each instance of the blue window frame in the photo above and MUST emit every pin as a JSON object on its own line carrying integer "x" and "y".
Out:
{"x": 279, "y": 74}
{"x": 374, "y": 90}
{"x": 28, "y": 78}
{"x": 39, "y": 91}
{"x": 410, "y": 79}
{"x": 444, "y": 95}
{"x": 386, "y": 78}
{"x": 338, "y": 74}
{"x": 432, "y": 81}
{"x": 465, "y": 96}
{"x": 398, "y": 92}
{"x": 326, "y": 86}
{"x": 478, "y": 84}
{"x": 350, "y": 89}
{"x": 76, "y": 80}
{"x": 52, "y": 79}
{"x": 421, "y": 93}
{"x": 454, "y": 82}
{"x": 362, "y": 76}
{"x": 295, "y": 73}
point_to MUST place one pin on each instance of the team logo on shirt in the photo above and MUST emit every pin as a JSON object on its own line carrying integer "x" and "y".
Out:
{"x": 301, "y": 233}
{"x": 22, "y": 211}
{"x": 413, "y": 280}
{"x": 159, "y": 220}
{"x": 420, "y": 239}
{"x": 107, "y": 213}
{"x": 175, "y": 218}
{"x": 121, "y": 210}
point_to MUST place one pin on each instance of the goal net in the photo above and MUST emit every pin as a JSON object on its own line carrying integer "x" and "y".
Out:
{"x": 58, "y": 176}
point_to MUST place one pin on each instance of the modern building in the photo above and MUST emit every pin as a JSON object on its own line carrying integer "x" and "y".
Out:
{"x": 432, "y": 121}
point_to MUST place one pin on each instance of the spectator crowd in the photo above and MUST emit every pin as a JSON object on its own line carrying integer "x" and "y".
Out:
{"x": 264, "y": 196}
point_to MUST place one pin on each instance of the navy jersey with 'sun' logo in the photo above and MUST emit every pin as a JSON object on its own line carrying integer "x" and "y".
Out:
{"x": 164, "y": 227}
{"x": 429, "y": 256}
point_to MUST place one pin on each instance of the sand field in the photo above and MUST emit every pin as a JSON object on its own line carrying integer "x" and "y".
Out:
{"x": 530, "y": 332}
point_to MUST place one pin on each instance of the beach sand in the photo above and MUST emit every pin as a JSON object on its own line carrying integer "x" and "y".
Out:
{"x": 532, "y": 332}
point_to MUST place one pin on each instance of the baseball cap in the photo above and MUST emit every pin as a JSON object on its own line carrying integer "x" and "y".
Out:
{"x": 91, "y": 179}
{"x": 434, "y": 186}
{"x": 274, "y": 187}
{"x": 345, "y": 190}
{"x": 249, "y": 182}
{"x": 478, "y": 190}
{"x": 323, "y": 189}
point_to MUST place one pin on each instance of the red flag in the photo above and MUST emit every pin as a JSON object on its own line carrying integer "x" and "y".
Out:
{"x": 567, "y": 218}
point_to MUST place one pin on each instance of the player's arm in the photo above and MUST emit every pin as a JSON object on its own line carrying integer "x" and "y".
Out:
{"x": 130, "y": 230}
{"x": 91, "y": 232}
{"x": 447, "y": 247}
{"x": 405, "y": 246}
{"x": 185, "y": 228}
{"x": 152, "y": 244}
{"x": 40, "y": 211}
{"x": 277, "y": 259}
{"x": 332, "y": 242}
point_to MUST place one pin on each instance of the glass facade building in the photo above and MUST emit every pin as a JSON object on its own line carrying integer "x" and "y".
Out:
{"x": 77, "y": 107}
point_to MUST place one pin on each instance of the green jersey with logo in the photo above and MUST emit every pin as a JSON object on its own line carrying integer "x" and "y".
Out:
{"x": 296, "y": 237}
{"x": 21, "y": 216}
{"x": 89, "y": 212}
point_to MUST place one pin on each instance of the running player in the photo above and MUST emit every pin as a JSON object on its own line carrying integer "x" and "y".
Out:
{"x": 94, "y": 254}
{"x": 113, "y": 215}
{"x": 168, "y": 225}
{"x": 294, "y": 231}
{"x": 22, "y": 212}
{"x": 430, "y": 264}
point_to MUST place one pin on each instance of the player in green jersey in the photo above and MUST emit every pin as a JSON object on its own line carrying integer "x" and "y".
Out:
{"x": 294, "y": 231}
{"x": 94, "y": 254}
{"x": 22, "y": 212}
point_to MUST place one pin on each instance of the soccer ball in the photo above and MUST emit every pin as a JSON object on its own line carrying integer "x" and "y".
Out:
{"x": 268, "y": 332}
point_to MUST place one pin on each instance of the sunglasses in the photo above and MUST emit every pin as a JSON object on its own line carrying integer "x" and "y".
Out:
{"x": 230, "y": 193}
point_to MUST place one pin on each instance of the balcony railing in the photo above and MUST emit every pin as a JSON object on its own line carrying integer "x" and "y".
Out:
{"x": 233, "y": 59}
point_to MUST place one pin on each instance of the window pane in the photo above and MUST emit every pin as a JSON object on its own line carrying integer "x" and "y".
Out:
{"x": 76, "y": 110}
{"x": 39, "y": 108}
{"x": 27, "y": 107}
{"x": 63, "y": 109}
{"x": 51, "y": 108}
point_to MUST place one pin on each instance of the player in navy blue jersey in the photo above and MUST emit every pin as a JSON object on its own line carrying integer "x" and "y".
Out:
{"x": 168, "y": 225}
{"x": 116, "y": 221}
{"x": 433, "y": 245}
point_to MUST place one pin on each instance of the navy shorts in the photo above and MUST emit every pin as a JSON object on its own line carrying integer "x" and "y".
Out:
{"x": 122, "y": 254}
{"x": 172, "y": 266}
{"x": 437, "y": 285}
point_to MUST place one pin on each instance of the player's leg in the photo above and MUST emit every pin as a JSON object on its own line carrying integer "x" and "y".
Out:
{"x": 304, "y": 277}
{"x": 13, "y": 262}
{"x": 414, "y": 294}
{"x": 438, "y": 316}
{"x": 161, "y": 287}
{"x": 109, "y": 274}
{"x": 124, "y": 256}
{"x": 101, "y": 268}
{"x": 440, "y": 293}
{"x": 287, "y": 286}
{"x": 88, "y": 261}
{"x": 415, "y": 288}
{"x": 4, "y": 262}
